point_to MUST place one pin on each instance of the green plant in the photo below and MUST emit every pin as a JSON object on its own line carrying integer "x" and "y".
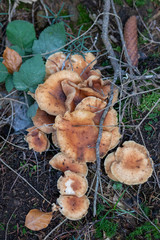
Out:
{"x": 84, "y": 18}
{"x": 147, "y": 231}
{"x": 2, "y": 226}
{"x": 109, "y": 227}
{"x": 148, "y": 102}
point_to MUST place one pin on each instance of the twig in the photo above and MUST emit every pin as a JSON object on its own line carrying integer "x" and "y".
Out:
{"x": 105, "y": 37}
{"x": 138, "y": 192}
{"x": 55, "y": 229}
{"x": 24, "y": 180}
{"x": 46, "y": 12}
{"x": 148, "y": 114}
{"x": 8, "y": 223}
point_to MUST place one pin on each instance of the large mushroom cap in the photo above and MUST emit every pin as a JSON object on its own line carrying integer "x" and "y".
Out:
{"x": 61, "y": 162}
{"x": 107, "y": 165}
{"x": 77, "y": 136}
{"x": 132, "y": 165}
{"x": 50, "y": 96}
{"x": 43, "y": 121}
{"x": 37, "y": 140}
{"x": 54, "y": 63}
{"x": 72, "y": 207}
{"x": 72, "y": 184}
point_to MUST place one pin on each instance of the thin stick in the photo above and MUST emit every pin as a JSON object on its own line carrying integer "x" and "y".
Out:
{"x": 24, "y": 180}
{"x": 105, "y": 37}
{"x": 55, "y": 228}
{"x": 116, "y": 73}
{"x": 148, "y": 114}
{"x": 143, "y": 211}
{"x": 8, "y": 223}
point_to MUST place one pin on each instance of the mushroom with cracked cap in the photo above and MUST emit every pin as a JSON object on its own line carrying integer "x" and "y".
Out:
{"x": 72, "y": 184}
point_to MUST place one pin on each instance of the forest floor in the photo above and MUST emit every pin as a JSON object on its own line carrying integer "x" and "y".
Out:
{"x": 27, "y": 179}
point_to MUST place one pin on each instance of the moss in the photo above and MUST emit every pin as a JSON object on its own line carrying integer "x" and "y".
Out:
{"x": 84, "y": 18}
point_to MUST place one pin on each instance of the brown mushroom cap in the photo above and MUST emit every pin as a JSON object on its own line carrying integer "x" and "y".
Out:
{"x": 54, "y": 63}
{"x": 95, "y": 105}
{"x": 107, "y": 165}
{"x": 43, "y": 121}
{"x": 77, "y": 136}
{"x": 61, "y": 162}
{"x": 95, "y": 86}
{"x": 132, "y": 165}
{"x": 50, "y": 96}
{"x": 81, "y": 64}
{"x": 72, "y": 207}
{"x": 115, "y": 137}
{"x": 37, "y": 140}
{"x": 72, "y": 184}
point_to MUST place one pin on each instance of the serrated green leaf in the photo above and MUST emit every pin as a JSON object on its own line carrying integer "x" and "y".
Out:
{"x": 31, "y": 73}
{"x": 21, "y": 33}
{"x": 3, "y": 73}
{"x": 31, "y": 112}
{"x": 9, "y": 83}
{"x": 52, "y": 38}
{"x": 18, "y": 50}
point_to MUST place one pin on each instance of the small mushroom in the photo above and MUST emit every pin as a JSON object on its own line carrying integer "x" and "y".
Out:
{"x": 72, "y": 184}
{"x": 73, "y": 207}
{"x": 54, "y": 63}
{"x": 43, "y": 121}
{"x": 77, "y": 136}
{"x": 81, "y": 64}
{"x": 61, "y": 162}
{"x": 37, "y": 140}
{"x": 132, "y": 164}
{"x": 50, "y": 96}
{"x": 96, "y": 105}
{"x": 107, "y": 165}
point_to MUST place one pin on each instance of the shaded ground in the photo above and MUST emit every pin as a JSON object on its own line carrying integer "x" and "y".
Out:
{"x": 137, "y": 206}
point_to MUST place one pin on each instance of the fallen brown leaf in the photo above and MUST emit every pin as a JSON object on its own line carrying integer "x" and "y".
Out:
{"x": 12, "y": 60}
{"x": 37, "y": 220}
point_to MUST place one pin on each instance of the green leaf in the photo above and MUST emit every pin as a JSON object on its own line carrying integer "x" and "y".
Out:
{"x": 9, "y": 83}
{"x": 21, "y": 33}
{"x": 31, "y": 73}
{"x": 3, "y": 73}
{"x": 50, "y": 39}
{"x": 31, "y": 112}
{"x": 18, "y": 50}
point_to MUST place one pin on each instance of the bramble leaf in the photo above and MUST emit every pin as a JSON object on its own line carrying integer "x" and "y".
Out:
{"x": 3, "y": 72}
{"x": 31, "y": 74}
{"x": 32, "y": 110}
{"x": 21, "y": 33}
{"x": 50, "y": 39}
{"x": 37, "y": 220}
{"x": 9, "y": 83}
{"x": 18, "y": 50}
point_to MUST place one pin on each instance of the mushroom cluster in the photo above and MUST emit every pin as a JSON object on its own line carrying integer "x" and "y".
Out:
{"x": 130, "y": 164}
{"x": 71, "y": 102}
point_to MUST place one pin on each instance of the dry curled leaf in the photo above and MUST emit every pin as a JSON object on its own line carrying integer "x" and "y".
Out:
{"x": 12, "y": 60}
{"x": 37, "y": 220}
{"x": 130, "y": 37}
